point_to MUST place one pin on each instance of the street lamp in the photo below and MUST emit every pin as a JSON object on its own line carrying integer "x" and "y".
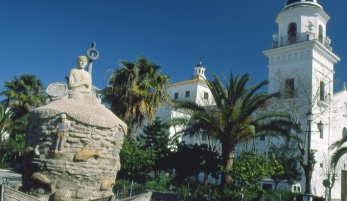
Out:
{"x": 320, "y": 125}
{"x": 320, "y": 128}
{"x": 308, "y": 192}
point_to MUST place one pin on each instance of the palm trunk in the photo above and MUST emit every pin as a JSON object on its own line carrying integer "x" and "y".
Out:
{"x": 332, "y": 180}
{"x": 205, "y": 179}
{"x": 132, "y": 127}
{"x": 228, "y": 153}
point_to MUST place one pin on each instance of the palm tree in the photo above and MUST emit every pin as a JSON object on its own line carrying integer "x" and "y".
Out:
{"x": 237, "y": 116}
{"x": 5, "y": 120}
{"x": 138, "y": 89}
{"x": 9, "y": 128}
{"x": 24, "y": 92}
{"x": 341, "y": 150}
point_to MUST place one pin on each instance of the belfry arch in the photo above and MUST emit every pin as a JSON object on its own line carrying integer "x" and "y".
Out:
{"x": 292, "y": 33}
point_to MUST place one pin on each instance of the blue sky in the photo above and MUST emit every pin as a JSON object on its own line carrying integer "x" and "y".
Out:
{"x": 45, "y": 37}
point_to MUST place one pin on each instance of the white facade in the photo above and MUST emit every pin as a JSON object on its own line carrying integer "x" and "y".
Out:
{"x": 195, "y": 90}
{"x": 301, "y": 68}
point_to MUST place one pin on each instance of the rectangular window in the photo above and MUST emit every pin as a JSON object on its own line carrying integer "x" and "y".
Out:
{"x": 205, "y": 95}
{"x": 187, "y": 94}
{"x": 176, "y": 95}
{"x": 289, "y": 88}
{"x": 262, "y": 138}
{"x": 267, "y": 186}
{"x": 322, "y": 91}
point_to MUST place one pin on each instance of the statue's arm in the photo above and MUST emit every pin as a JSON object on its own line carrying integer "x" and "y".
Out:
{"x": 75, "y": 80}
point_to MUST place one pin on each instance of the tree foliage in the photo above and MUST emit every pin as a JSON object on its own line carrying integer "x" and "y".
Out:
{"x": 236, "y": 117}
{"x": 191, "y": 160}
{"x": 250, "y": 168}
{"x": 340, "y": 147}
{"x": 138, "y": 89}
{"x": 6, "y": 116}
{"x": 24, "y": 92}
{"x": 11, "y": 149}
{"x": 135, "y": 161}
{"x": 157, "y": 138}
{"x": 288, "y": 156}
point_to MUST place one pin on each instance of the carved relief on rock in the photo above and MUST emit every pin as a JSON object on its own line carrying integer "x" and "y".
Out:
{"x": 85, "y": 154}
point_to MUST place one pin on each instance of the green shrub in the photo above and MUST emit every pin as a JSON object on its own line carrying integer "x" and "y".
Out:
{"x": 5, "y": 165}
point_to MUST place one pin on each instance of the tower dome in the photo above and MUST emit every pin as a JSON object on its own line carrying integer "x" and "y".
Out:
{"x": 199, "y": 71}
{"x": 294, "y": 3}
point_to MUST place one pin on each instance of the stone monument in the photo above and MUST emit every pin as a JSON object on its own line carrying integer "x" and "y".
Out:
{"x": 73, "y": 142}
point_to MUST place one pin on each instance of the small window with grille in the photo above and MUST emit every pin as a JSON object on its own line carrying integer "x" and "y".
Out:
{"x": 176, "y": 95}
{"x": 205, "y": 95}
{"x": 289, "y": 88}
{"x": 187, "y": 94}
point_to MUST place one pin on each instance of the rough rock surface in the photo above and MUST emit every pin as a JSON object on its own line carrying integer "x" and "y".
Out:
{"x": 86, "y": 164}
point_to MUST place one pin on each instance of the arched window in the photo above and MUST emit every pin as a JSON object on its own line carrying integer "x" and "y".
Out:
{"x": 320, "y": 34}
{"x": 292, "y": 33}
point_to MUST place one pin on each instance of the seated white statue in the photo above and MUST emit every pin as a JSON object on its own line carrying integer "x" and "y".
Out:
{"x": 79, "y": 102}
{"x": 79, "y": 79}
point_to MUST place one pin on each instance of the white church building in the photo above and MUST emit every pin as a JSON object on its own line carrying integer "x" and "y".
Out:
{"x": 195, "y": 90}
{"x": 301, "y": 68}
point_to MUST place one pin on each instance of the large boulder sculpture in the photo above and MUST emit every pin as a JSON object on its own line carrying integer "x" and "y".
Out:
{"x": 72, "y": 143}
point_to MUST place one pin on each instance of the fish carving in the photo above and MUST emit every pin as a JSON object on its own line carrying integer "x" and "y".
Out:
{"x": 106, "y": 184}
{"x": 85, "y": 154}
{"x": 28, "y": 150}
{"x": 37, "y": 152}
{"x": 40, "y": 178}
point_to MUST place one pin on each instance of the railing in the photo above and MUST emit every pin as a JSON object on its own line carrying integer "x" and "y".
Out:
{"x": 300, "y": 38}
{"x": 326, "y": 102}
{"x": 10, "y": 194}
{"x": 327, "y": 98}
{"x": 9, "y": 181}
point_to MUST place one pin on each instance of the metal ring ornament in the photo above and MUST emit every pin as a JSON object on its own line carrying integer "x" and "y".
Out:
{"x": 92, "y": 54}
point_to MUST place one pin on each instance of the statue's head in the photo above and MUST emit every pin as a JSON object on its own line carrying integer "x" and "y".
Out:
{"x": 82, "y": 58}
{"x": 63, "y": 117}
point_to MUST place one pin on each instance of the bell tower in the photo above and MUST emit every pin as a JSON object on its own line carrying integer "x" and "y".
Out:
{"x": 300, "y": 21}
{"x": 301, "y": 53}
{"x": 301, "y": 69}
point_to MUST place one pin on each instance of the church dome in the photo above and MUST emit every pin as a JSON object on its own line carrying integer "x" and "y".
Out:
{"x": 294, "y": 3}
